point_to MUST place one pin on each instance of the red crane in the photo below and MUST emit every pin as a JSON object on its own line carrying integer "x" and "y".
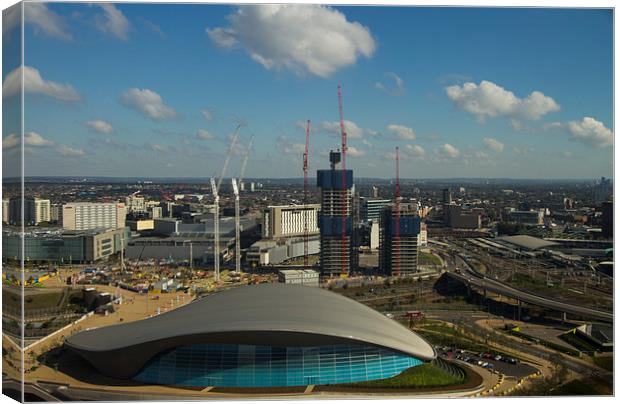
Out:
{"x": 397, "y": 209}
{"x": 343, "y": 132}
{"x": 306, "y": 154}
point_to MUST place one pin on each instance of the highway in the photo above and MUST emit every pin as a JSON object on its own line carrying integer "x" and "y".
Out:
{"x": 472, "y": 278}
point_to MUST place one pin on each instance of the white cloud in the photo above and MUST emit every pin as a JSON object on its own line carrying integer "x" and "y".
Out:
{"x": 69, "y": 151}
{"x": 354, "y": 152}
{"x": 148, "y": 102}
{"x": 493, "y": 144}
{"x": 113, "y": 21}
{"x": 553, "y": 125}
{"x": 488, "y": 100}
{"x": 592, "y": 132}
{"x": 305, "y": 39}
{"x": 399, "y": 85}
{"x": 30, "y": 139}
{"x": 207, "y": 114}
{"x": 402, "y": 131}
{"x": 522, "y": 151}
{"x": 42, "y": 18}
{"x": 353, "y": 131}
{"x": 448, "y": 150}
{"x": 415, "y": 151}
{"x": 204, "y": 135}
{"x": 34, "y": 83}
{"x": 100, "y": 126}
{"x": 285, "y": 146}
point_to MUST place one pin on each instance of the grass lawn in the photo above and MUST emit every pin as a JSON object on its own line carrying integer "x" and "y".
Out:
{"x": 422, "y": 376}
{"x": 427, "y": 258}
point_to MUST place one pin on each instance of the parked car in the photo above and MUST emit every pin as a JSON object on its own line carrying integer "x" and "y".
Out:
{"x": 487, "y": 365}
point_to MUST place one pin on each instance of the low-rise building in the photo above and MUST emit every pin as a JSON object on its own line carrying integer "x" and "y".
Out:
{"x": 306, "y": 277}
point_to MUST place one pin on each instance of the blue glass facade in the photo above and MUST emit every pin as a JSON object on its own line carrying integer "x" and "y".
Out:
{"x": 269, "y": 366}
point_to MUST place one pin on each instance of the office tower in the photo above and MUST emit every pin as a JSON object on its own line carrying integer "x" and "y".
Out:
{"x": 371, "y": 209}
{"x": 602, "y": 191}
{"x": 447, "y": 196}
{"x": 398, "y": 249}
{"x": 375, "y": 191}
{"x": 290, "y": 220}
{"x": 5, "y": 211}
{"x": 35, "y": 211}
{"x": 156, "y": 212}
{"x": 87, "y": 215}
{"x": 335, "y": 221}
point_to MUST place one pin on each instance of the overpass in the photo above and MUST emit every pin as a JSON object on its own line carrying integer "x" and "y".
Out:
{"x": 494, "y": 286}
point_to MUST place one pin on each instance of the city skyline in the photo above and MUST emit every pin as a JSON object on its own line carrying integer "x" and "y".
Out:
{"x": 137, "y": 90}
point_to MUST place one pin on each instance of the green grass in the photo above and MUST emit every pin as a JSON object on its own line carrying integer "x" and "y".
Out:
{"x": 422, "y": 376}
{"x": 427, "y": 258}
{"x": 605, "y": 362}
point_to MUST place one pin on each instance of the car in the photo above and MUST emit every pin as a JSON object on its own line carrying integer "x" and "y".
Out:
{"x": 487, "y": 365}
{"x": 480, "y": 363}
{"x": 513, "y": 361}
{"x": 498, "y": 357}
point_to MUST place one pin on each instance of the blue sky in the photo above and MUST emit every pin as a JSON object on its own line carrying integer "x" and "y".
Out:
{"x": 156, "y": 90}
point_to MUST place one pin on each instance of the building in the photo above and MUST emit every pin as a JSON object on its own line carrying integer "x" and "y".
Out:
{"x": 270, "y": 252}
{"x": 36, "y": 210}
{"x": 156, "y": 212}
{"x": 602, "y": 191}
{"x": 135, "y": 204}
{"x": 398, "y": 243}
{"x": 335, "y": 223}
{"x": 446, "y": 198}
{"x": 141, "y": 224}
{"x": 5, "y": 211}
{"x": 306, "y": 277}
{"x": 290, "y": 220}
{"x": 56, "y": 213}
{"x": 90, "y": 215}
{"x": 456, "y": 218}
{"x": 527, "y": 217}
{"x": 371, "y": 208}
{"x": 60, "y": 246}
{"x": 297, "y": 336}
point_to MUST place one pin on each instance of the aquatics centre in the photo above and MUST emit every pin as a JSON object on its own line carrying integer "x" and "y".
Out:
{"x": 268, "y": 335}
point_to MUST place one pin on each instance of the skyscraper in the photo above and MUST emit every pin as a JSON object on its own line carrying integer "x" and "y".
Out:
{"x": 398, "y": 250}
{"x": 336, "y": 194}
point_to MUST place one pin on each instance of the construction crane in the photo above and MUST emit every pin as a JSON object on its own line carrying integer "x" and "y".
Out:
{"x": 216, "y": 208}
{"x": 343, "y": 133}
{"x": 236, "y": 192}
{"x": 306, "y": 155}
{"x": 397, "y": 209}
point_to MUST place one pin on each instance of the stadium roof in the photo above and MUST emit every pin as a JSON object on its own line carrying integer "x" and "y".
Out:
{"x": 267, "y": 314}
{"x": 527, "y": 242}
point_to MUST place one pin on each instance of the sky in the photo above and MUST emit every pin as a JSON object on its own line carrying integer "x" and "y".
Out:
{"x": 156, "y": 90}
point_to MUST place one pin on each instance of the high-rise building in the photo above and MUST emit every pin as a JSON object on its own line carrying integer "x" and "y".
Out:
{"x": 36, "y": 210}
{"x": 290, "y": 220}
{"x": 371, "y": 208}
{"x": 5, "y": 211}
{"x": 156, "y": 212}
{"x": 447, "y": 196}
{"x": 375, "y": 191}
{"x": 335, "y": 221}
{"x": 602, "y": 191}
{"x": 87, "y": 215}
{"x": 398, "y": 250}
{"x": 56, "y": 213}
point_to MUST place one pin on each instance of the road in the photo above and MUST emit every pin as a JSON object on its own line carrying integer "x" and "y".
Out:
{"x": 472, "y": 278}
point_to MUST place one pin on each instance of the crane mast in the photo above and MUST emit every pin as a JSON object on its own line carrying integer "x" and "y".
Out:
{"x": 306, "y": 156}
{"x": 397, "y": 209}
{"x": 237, "y": 214}
{"x": 216, "y": 209}
{"x": 343, "y": 133}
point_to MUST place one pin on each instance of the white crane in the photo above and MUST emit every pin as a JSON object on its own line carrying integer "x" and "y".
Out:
{"x": 237, "y": 224}
{"x": 216, "y": 209}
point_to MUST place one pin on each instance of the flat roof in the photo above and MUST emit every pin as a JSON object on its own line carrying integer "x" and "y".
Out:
{"x": 528, "y": 242}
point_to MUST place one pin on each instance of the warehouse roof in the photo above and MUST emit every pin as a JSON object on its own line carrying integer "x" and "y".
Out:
{"x": 527, "y": 242}
{"x": 266, "y": 314}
